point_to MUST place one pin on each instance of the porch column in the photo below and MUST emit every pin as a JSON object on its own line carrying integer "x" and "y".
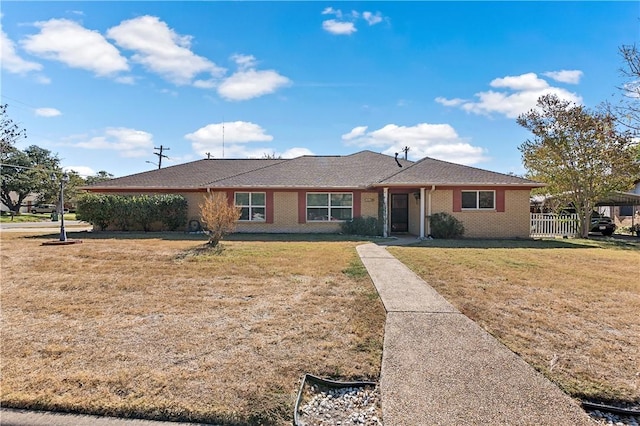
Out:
{"x": 422, "y": 201}
{"x": 433, "y": 188}
{"x": 385, "y": 210}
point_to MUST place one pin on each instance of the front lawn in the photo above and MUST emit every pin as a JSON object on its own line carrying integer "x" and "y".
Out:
{"x": 147, "y": 325}
{"x": 570, "y": 308}
{"x": 154, "y": 328}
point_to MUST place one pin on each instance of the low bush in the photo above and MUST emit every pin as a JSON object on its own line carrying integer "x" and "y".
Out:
{"x": 367, "y": 226}
{"x": 444, "y": 225}
{"x": 123, "y": 213}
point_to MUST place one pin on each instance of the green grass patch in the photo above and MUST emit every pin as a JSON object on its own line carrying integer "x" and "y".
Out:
{"x": 356, "y": 269}
{"x": 29, "y": 217}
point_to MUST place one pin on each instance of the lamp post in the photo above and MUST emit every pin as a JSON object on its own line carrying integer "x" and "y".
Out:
{"x": 63, "y": 180}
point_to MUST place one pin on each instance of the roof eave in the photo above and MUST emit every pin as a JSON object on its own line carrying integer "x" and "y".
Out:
{"x": 449, "y": 184}
{"x": 140, "y": 188}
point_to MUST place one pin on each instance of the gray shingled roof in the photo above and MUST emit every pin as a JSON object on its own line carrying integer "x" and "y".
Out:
{"x": 363, "y": 169}
{"x": 359, "y": 170}
{"x": 197, "y": 174}
{"x": 430, "y": 171}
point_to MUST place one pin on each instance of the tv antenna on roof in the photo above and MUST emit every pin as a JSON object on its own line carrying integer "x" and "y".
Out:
{"x": 406, "y": 151}
{"x": 222, "y": 137}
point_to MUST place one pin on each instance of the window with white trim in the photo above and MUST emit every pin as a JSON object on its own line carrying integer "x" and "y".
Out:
{"x": 252, "y": 205}
{"x": 329, "y": 206}
{"x": 478, "y": 200}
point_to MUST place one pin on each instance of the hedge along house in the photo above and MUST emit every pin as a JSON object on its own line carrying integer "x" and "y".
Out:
{"x": 313, "y": 194}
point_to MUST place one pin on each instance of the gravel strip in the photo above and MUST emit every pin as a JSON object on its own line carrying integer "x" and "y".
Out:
{"x": 326, "y": 406}
{"x": 605, "y": 418}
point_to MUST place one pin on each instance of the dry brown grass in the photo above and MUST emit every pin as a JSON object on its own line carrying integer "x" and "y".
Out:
{"x": 153, "y": 328}
{"x": 571, "y": 309}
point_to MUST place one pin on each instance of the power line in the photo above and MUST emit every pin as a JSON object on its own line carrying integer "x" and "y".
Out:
{"x": 15, "y": 100}
{"x": 160, "y": 155}
{"x": 40, "y": 169}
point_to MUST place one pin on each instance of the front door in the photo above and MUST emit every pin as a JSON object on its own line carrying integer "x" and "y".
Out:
{"x": 399, "y": 212}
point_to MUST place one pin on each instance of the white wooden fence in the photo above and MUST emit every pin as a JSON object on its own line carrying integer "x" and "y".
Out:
{"x": 554, "y": 225}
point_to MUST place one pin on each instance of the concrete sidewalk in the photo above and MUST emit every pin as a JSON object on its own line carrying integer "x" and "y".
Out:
{"x": 13, "y": 417}
{"x": 441, "y": 368}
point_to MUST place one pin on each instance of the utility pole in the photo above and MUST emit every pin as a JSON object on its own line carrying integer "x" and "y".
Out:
{"x": 160, "y": 154}
{"x": 406, "y": 152}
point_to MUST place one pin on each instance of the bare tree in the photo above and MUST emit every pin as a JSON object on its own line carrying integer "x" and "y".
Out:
{"x": 218, "y": 217}
{"x": 10, "y": 132}
{"x": 629, "y": 108}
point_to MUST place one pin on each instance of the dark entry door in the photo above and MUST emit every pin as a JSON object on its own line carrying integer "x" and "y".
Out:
{"x": 399, "y": 213}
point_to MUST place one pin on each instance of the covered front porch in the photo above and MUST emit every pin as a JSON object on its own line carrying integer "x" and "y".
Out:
{"x": 406, "y": 211}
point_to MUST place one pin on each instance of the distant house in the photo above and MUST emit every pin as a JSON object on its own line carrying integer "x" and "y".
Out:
{"x": 315, "y": 193}
{"x": 27, "y": 203}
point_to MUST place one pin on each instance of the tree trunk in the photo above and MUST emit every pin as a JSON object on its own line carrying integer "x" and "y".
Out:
{"x": 11, "y": 205}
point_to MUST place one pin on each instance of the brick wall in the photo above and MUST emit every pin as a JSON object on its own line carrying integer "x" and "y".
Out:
{"x": 414, "y": 215}
{"x": 285, "y": 219}
{"x": 514, "y": 222}
{"x": 369, "y": 204}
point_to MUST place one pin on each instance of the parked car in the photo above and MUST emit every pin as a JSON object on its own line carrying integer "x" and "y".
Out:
{"x": 44, "y": 208}
{"x": 602, "y": 224}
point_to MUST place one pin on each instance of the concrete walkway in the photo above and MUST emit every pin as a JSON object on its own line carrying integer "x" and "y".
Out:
{"x": 441, "y": 368}
{"x": 12, "y": 417}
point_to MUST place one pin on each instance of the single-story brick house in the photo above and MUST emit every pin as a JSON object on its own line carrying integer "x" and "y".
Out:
{"x": 314, "y": 193}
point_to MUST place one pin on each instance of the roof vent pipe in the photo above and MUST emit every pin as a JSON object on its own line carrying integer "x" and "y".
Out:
{"x": 397, "y": 162}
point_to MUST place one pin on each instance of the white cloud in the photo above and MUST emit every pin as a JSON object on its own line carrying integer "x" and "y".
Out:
{"x": 520, "y": 95}
{"x": 68, "y": 42}
{"x": 83, "y": 171}
{"x": 339, "y": 28}
{"x": 250, "y": 83}
{"x": 47, "y": 112}
{"x": 356, "y": 132}
{"x": 331, "y": 11}
{"x": 244, "y": 61}
{"x": 528, "y": 81}
{"x": 11, "y": 61}
{"x": 234, "y": 134}
{"x": 127, "y": 142}
{"x": 424, "y": 140}
{"x": 449, "y": 102}
{"x": 43, "y": 79}
{"x": 371, "y": 18}
{"x": 238, "y": 136}
{"x": 206, "y": 84}
{"x": 295, "y": 152}
{"x": 161, "y": 50}
{"x": 565, "y": 76}
{"x": 126, "y": 79}
{"x": 345, "y": 23}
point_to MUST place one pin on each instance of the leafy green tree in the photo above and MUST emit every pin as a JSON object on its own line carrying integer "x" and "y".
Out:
{"x": 101, "y": 176}
{"x": 51, "y": 192}
{"x": 578, "y": 153}
{"x": 11, "y": 159}
{"x": 26, "y": 172}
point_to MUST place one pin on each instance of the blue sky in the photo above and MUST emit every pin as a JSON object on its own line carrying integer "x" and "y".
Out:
{"x": 103, "y": 83}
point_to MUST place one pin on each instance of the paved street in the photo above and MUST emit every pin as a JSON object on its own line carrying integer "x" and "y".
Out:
{"x": 69, "y": 225}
